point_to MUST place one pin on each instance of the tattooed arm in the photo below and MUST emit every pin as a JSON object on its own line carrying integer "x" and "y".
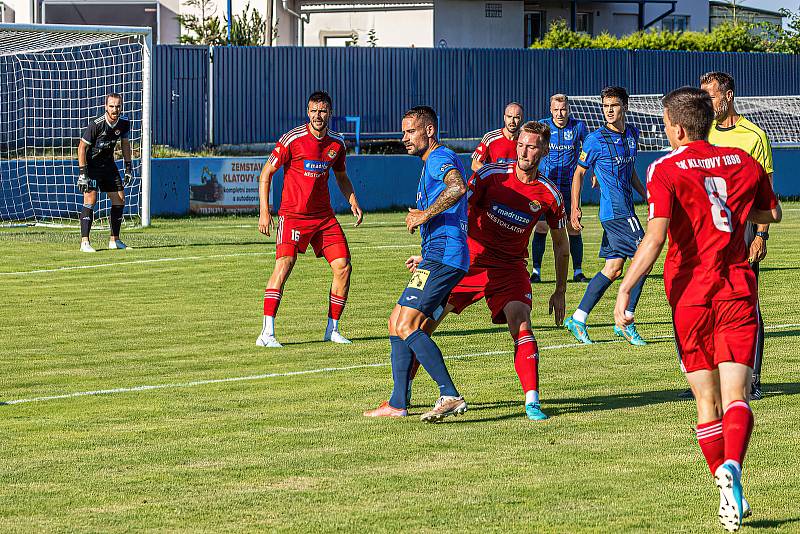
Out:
{"x": 454, "y": 189}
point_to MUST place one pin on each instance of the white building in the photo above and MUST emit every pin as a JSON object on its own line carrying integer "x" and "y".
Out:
{"x": 397, "y": 23}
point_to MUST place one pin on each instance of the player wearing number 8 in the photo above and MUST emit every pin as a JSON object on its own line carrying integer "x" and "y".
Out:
{"x": 702, "y": 196}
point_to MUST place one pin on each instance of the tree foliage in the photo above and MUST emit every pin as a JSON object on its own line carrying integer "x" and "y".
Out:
{"x": 247, "y": 29}
{"x": 729, "y": 37}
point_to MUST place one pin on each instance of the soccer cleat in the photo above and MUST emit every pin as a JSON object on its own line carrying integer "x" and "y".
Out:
{"x": 686, "y": 395}
{"x": 578, "y": 329}
{"x": 630, "y": 334}
{"x": 445, "y": 406}
{"x": 731, "y": 507}
{"x": 386, "y": 410}
{"x": 536, "y": 278}
{"x": 534, "y": 411}
{"x": 87, "y": 247}
{"x": 755, "y": 390}
{"x": 580, "y": 277}
{"x": 117, "y": 245}
{"x": 268, "y": 341}
{"x": 746, "y": 510}
{"x": 336, "y": 337}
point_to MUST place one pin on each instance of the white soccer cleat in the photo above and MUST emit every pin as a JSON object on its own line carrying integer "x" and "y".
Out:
{"x": 336, "y": 337}
{"x": 268, "y": 341}
{"x": 731, "y": 506}
{"x": 117, "y": 245}
{"x": 87, "y": 247}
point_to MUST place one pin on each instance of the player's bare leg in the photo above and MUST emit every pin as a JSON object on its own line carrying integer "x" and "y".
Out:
{"x": 87, "y": 216}
{"x": 340, "y": 287}
{"x": 526, "y": 356}
{"x": 115, "y": 219}
{"x": 272, "y": 299}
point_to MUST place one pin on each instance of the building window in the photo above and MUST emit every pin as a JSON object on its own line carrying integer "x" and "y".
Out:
{"x": 494, "y": 11}
{"x": 534, "y": 27}
{"x": 675, "y": 23}
{"x": 583, "y": 23}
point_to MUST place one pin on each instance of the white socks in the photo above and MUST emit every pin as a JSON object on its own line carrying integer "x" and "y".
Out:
{"x": 269, "y": 326}
{"x": 580, "y": 316}
{"x": 333, "y": 325}
{"x": 531, "y": 396}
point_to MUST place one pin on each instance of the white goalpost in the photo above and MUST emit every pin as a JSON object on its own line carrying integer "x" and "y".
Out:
{"x": 778, "y": 116}
{"x": 53, "y": 81}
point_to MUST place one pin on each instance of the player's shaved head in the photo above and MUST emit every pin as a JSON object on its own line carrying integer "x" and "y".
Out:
{"x": 692, "y": 109}
{"x": 115, "y": 96}
{"x": 512, "y": 118}
{"x": 514, "y": 107}
{"x": 426, "y": 114}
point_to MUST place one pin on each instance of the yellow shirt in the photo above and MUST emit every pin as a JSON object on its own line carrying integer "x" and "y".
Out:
{"x": 747, "y": 136}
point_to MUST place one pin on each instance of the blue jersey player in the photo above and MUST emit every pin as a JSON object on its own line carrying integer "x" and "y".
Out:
{"x": 611, "y": 152}
{"x": 441, "y": 216}
{"x": 566, "y": 139}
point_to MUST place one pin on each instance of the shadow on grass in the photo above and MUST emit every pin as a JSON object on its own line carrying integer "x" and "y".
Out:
{"x": 770, "y": 523}
{"x": 190, "y": 245}
{"x": 782, "y": 333}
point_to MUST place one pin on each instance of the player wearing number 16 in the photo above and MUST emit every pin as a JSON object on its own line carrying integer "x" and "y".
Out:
{"x": 703, "y": 196}
{"x": 307, "y": 153}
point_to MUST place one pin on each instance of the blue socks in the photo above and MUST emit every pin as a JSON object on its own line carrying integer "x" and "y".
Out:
{"x": 537, "y": 250}
{"x": 402, "y": 358}
{"x": 576, "y": 251}
{"x": 430, "y": 357}
{"x": 636, "y": 292}
{"x": 594, "y": 292}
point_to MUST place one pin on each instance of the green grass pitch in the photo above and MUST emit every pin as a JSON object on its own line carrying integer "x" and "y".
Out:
{"x": 210, "y": 433}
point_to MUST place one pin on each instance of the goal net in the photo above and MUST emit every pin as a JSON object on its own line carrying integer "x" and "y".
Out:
{"x": 53, "y": 81}
{"x": 778, "y": 116}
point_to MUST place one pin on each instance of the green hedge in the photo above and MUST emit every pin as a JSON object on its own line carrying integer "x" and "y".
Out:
{"x": 723, "y": 38}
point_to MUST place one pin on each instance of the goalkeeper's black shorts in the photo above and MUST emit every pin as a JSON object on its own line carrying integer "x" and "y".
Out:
{"x": 105, "y": 180}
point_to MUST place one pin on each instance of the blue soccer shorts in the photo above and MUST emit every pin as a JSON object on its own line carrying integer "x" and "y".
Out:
{"x": 430, "y": 287}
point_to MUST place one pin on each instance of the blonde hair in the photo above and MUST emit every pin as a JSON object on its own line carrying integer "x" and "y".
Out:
{"x": 559, "y": 97}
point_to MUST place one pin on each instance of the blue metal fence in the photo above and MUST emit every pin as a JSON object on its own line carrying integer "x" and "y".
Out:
{"x": 260, "y": 92}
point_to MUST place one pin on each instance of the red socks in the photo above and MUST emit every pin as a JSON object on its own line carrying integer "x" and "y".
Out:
{"x": 726, "y": 438}
{"x": 737, "y": 424}
{"x": 526, "y": 360}
{"x": 272, "y": 299}
{"x": 709, "y": 437}
{"x": 336, "y": 306}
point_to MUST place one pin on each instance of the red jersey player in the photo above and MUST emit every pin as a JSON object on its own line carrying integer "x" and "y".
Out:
{"x": 500, "y": 146}
{"x": 703, "y": 196}
{"x": 305, "y": 215}
{"x": 506, "y": 200}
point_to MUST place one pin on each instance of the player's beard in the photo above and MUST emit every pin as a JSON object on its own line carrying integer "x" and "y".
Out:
{"x": 415, "y": 151}
{"x": 722, "y": 113}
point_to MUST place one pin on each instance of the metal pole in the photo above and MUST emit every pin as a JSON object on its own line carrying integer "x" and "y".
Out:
{"x": 230, "y": 19}
{"x": 147, "y": 102}
{"x": 210, "y": 103}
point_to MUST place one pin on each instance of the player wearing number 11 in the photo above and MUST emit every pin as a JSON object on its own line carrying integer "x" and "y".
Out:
{"x": 703, "y": 196}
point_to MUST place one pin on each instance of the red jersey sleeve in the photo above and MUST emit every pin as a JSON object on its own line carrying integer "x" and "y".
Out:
{"x": 765, "y": 196}
{"x": 660, "y": 192}
{"x": 339, "y": 163}
{"x": 481, "y": 152}
{"x": 476, "y": 186}
{"x": 280, "y": 155}
{"x": 556, "y": 216}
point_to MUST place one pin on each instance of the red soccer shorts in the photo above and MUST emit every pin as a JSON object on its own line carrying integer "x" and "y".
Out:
{"x": 325, "y": 236}
{"x": 500, "y": 285}
{"x": 723, "y": 331}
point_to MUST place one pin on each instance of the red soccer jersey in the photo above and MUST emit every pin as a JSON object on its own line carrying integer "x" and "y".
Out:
{"x": 495, "y": 148}
{"x": 306, "y": 161}
{"x": 503, "y": 212}
{"x": 707, "y": 192}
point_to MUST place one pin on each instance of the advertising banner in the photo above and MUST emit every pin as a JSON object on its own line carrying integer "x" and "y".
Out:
{"x": 224, "y": 185}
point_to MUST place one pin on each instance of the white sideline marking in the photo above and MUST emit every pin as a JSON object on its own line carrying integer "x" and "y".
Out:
{"x": 179, "y": 258}
{"x": 194, "y": 383}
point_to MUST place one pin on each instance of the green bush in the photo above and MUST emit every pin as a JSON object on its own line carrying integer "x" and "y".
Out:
{"x": 724, "y": 38}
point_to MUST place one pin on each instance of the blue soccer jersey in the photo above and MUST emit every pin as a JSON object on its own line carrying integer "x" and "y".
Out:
{"x": 565, "y": 146}
{"x": 611, "y": 155}
{"x": 444, "y": 237}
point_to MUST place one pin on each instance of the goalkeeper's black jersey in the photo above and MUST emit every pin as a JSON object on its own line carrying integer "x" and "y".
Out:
{"x": 102, "y": 140}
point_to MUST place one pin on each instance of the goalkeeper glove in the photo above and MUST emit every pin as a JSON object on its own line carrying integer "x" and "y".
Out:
{"x": 128, "y": 172}
{"x": 83, "y": 180}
